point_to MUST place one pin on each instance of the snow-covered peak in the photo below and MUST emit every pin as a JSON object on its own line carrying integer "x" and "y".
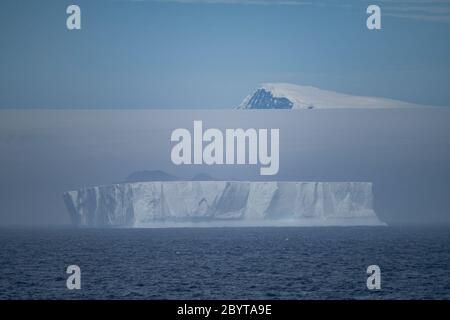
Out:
{"x": 291, "y": 96}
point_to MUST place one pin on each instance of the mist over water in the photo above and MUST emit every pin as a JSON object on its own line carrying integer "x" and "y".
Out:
{"x": 404, "y": 153}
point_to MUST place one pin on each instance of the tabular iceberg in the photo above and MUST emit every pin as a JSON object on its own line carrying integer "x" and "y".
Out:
{"x": 222, "y": 203}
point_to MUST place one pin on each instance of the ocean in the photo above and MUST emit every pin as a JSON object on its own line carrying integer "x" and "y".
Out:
{"x": 226, "y": 263}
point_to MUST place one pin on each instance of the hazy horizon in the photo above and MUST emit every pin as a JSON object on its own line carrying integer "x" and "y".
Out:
{"x": 404, "y": 152}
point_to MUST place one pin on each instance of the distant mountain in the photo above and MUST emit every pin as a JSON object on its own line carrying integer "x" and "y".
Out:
{"x": 150, "y": 175}
{"x": 203, "y": 177}
{"x": 291, "y": 96}
{"x": 158, "y": 175}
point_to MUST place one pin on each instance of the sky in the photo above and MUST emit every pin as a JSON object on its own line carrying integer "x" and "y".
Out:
{"x": 212, "y": 53}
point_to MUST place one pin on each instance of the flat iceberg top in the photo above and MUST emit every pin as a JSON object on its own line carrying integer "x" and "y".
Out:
{"x": 203, "y": 203}
{"x": 291, "y": 96}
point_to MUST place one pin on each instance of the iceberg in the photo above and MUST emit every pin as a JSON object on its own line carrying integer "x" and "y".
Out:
{"x": 222, "y": 203}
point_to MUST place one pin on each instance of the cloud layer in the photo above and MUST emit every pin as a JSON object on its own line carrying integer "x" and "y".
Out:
{"x": 426, "y": 10}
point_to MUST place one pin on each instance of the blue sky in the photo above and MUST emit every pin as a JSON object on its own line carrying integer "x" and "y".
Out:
{"x": 211, "y": 54}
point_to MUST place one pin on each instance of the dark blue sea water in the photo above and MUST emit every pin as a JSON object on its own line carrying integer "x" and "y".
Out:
{"x": 226, "y": 263}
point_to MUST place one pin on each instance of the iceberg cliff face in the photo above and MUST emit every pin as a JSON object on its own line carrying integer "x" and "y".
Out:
{"x": 147, "y": 204}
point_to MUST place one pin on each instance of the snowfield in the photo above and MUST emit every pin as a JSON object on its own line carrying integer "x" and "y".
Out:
{"x": 291, "y": 96}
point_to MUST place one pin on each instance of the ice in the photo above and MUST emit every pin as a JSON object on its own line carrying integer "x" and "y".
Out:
{"x": 156, "y": 203}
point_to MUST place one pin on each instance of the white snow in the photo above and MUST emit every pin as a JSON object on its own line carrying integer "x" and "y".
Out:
{"x": 304, "y": 97}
